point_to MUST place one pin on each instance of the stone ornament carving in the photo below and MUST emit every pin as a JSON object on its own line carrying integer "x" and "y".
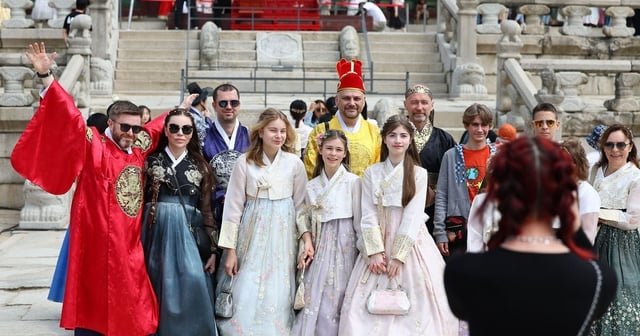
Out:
{"x": 533, "y": 23}
{"x": 101, "y": 77}
{"x": 511, "y": 31}
{"x": 625, "y": 100}
{"x": 490, "y": 13}
{"x": 349, "y": 43}
{"x": 570, "y": 82}
{"x": 382, "y": 110}
{"x": 13, "y": 78}
{"x": 519, "y": 115}
{"x": 43, "y": 210}
{"x": 63, "y": 8}
{"x": 209, "y": 44}
{"x": 574, "y": 24}
{"x": 279, "y": 49}
{"x": 468, "y": 81}
{"x": 618, "y": 26}
{"x": 550, "y": 84}
{"x": 18, "y": 17}
{"x": 80, "y": 35}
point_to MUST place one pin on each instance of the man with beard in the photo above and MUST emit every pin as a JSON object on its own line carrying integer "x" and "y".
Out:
{"x": 107, "y": 290}
{"x": 364, "y": 137}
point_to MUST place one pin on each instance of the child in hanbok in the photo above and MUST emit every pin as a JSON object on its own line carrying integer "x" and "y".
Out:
{"x": 259, "y": 232}
{"x": 398, "y": 252}
{"x": 332, "y": 207}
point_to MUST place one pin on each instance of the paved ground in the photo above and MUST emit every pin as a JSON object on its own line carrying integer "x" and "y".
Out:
{"x": 27, "y": 260}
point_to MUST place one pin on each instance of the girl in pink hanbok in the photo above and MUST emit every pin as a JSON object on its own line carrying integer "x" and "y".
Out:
{"x": 397, "y": 251}
{"x": 332, "y": 207}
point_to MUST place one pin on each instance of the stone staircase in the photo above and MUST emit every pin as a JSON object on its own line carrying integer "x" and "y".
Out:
{"x": 150, "y": 62}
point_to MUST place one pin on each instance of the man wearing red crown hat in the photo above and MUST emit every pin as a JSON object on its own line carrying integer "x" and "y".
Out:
{"x": 364, "y": 137}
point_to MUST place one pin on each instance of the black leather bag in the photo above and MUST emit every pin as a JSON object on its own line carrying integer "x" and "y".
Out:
{"x": 200, "y": 235}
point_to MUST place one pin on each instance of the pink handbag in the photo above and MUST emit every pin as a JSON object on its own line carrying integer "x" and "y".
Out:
{"x": 388, "y": 301}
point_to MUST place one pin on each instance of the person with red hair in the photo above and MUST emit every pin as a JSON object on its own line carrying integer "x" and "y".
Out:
{"x": 533, "y": 280}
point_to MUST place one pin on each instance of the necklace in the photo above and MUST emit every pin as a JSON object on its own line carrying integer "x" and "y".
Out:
{"x": 544, "y": 240}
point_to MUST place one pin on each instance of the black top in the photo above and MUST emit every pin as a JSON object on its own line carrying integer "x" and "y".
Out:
{"x": 503, "y": 292}
{"x": 67, "y": 20}
{"x": 431, "y": 154}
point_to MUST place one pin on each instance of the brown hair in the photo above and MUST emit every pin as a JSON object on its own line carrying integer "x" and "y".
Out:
{"x": 254, "y": 154}
{"x": 411, "y": 157}
{"x": 633, "y": 155}
{"x": 575, "y": 149}
{"x": 326, "y": 136}
{"x": 477, "y": 110}
{"x": 123, "y": 107}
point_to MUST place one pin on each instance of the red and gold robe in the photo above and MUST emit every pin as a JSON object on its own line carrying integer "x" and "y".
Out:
{"x": 107, "y": 288}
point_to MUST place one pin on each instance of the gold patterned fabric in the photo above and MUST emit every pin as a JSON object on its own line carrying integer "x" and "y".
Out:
{"x": 228, "y": 235}
{"x": 422, "y": 136}
{"x": 402, "y": 245}
{"x": 128, "y": 190}
{"x": 372, "y": 237}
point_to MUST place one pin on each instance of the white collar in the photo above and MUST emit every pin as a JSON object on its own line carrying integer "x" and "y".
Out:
{"x": 109, "y": 135}
{"x": 175, "y": 161}
{"x": 230, "y": 142}
{"x": 344, "y": 126}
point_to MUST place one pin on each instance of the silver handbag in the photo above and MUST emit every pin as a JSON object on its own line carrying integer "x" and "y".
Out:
{"x": 224, "y": 301}
{"x": 388, "y": 301}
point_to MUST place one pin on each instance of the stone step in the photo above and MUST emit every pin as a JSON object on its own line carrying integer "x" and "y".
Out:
{"x": 413, "y": 77}
{"x": 321, "y": 45}
{"x": 146, "y": 24}
{"x": 151, "y": 76}
{"x": 147, "y": 44}
{"x": 157, "y": 35}
{"x": 121, "y": 86}
{"x": 155, "y": 65}
{"x": 401, "y": 37}
{"x": 321, "y": 55}
{"x": 410, "y": 67}
{"x": 237, "y": 35}
{"x": 399, "y": 87}
{"x": 237, "y": 55}
{"x": 145, "y": 54}
{"x": 403, "y": 47}
{"x": 237, "y": 45}
{"x": 407, "y": 57}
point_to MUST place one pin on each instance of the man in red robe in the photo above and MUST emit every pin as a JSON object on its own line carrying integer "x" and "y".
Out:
{"x": 107, "y": 289}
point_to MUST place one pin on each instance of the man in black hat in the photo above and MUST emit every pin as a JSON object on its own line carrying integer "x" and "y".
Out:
{"x": 199, "y": 111}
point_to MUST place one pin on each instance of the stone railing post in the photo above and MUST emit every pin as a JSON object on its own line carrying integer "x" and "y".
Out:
{"x": 490, "y": 13}
{"x": 468, "y": 77}
{"x": 625, "y": 100}
{"x": 574, "y": 20}
{"x": 63, "y": 8}
{"x": 18, "y": 17}
{"x": 509, "y": 46}
{"x": 618, "y": 26}
{"x": 80, "y": 44}
{"x": 13, "y": 78}
{"x": 569, "y": 82}
{"x": 533, "y": 23}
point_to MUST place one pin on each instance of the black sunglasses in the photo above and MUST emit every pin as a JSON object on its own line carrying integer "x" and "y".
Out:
{"x": 224, "y": 103}
{"x": 618, "y": 145}
{"x": 186, "y": 129}
{"x": 126, "y": 127}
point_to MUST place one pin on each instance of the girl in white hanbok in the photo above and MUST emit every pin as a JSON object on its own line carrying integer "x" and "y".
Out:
{"x": 332, "y": 207}
{"x": 398, "y": 251}
{"x": 259, "y": 233}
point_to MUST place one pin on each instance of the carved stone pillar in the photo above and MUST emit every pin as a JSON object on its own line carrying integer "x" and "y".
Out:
{"x": 569, "y": 83}
{"x": 618, "y": 26}
{"x": 468, "y": 77}
{"x": 532, "y": 13}
{"x": 490, "y": 13}
{"x": 574, "y": 24}
{"x": 63, "y": 8}
{"x": 18, "y": 17}
{"x": 625, "y": 100}
{"x": 209, "y": 46}
{"x": 80, "y": 44}
{"x": 509, "y": 46}
{"x": 13, "y": 78}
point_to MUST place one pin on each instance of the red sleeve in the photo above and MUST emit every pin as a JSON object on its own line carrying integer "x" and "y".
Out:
{"x": 153, "y": 129}
{"x": 51, "y": 151}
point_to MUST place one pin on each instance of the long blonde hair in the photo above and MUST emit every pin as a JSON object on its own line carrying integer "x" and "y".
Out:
{"x": 254, "y": 154}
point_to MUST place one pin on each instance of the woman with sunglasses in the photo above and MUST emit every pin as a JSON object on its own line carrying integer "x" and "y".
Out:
{"x": 177, "y": 194}
{"x": 616, "y": 178}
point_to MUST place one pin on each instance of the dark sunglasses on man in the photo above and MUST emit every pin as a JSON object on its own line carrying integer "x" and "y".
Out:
{"x": 225, "y": 103}
{"x": 126, "y": 127}
{"x": 186, "y": 129}
{"x": 539, "y": 123}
